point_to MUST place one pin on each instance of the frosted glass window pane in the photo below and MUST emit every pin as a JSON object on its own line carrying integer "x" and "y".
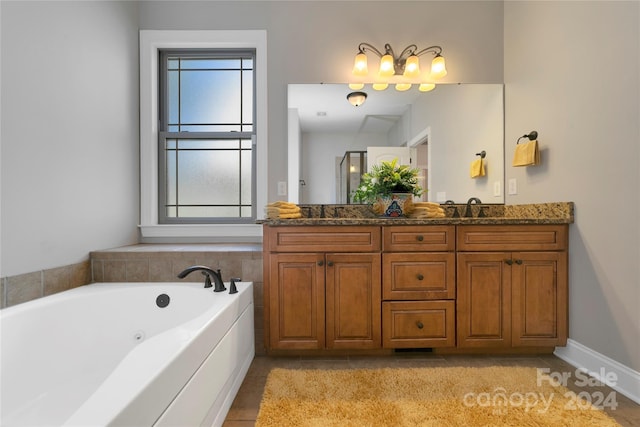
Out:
{"x": 208, "y": 177}
{"x": 210, "y": 64}
{"x": 247, "y": 98}
{"x": 171, "y": 178}
{"x": 173, "y": 97}
{"x": 212, "y": 211}
{"x": 202, "y": 93}
{"x": 246, "y": 157}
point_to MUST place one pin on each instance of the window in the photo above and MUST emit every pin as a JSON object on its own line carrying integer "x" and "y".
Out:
{"x": 207, "y": 130}
{"x": 203, "y": 172}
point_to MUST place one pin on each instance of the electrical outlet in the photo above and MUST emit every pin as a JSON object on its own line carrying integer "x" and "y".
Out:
{"x": 282, "y": 188}
{"x": 496, "y": 189}
{"x": 513, "y": 186}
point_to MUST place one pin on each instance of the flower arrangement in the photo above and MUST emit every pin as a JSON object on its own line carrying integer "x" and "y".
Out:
{"x": 387, "y": 178}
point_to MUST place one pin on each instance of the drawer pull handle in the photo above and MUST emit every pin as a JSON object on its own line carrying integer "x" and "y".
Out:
{"x": 419, "y": 324}
{"x": 519, "y": 261}
{"x": 320, "y": 263}
{"x": 508, "y": 261}
{"x": 330, "y": 263}
{"x": 420, "y": 277}
{"x": 420, "y": 238}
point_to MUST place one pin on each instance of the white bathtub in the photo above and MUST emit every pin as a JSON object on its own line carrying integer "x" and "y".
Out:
{"x": 107, "y": 354}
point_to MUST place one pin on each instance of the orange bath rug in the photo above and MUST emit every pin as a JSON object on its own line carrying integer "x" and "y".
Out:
{"x": 456, "y": 396}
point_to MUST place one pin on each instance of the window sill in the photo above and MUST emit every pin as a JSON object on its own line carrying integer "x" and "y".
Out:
{"x": 210, "y": 232}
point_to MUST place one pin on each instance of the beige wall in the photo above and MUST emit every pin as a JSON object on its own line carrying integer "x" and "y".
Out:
{"x": 572, "y": 73}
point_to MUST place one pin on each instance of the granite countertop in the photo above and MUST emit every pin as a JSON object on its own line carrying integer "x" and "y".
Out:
{"x": 539, "y": 213}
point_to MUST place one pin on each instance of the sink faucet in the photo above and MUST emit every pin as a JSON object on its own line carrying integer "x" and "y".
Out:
{"x": 208, "y": 273}
{"x": 468, "y": 213}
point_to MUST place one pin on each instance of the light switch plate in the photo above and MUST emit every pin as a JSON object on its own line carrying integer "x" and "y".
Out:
{"x": 282, "y": 188}
{"x": 497, "y": 190}
{"x": 513, "y": 186}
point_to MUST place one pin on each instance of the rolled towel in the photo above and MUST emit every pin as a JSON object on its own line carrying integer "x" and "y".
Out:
{"x": 282, "y": 204}
{"x": 283, "y": 210}
{"x": 426, "y": 204}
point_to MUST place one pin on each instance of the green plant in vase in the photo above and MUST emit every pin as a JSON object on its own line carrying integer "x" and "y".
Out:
{"x": 384, "y": 182}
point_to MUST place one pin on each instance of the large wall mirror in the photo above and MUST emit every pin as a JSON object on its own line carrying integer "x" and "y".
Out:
{"x": 446, "y": 129}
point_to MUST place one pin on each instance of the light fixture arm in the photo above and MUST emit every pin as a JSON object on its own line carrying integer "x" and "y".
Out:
{"x": 364, "y": 47}
{"x": 400, "y": 60}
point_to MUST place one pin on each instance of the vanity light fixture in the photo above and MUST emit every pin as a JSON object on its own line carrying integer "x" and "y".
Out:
{"x": 357, "y": 98}
{"x": 406, "y": 64}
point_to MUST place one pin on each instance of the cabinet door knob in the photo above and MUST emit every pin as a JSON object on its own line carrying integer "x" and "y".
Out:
{"x": 320, "y": 263}
{"x": 420, "y": 238}
{"x": 420, "y": 276}
{"x": 519, "y": 261}
{"x": 330, "y": 263}
{"x": 508, "y": 261}
{"x": 419, "y": 324}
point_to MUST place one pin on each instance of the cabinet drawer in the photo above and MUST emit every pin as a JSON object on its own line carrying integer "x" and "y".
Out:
{"x": 322, "y": 239}
{"x": 512, "y": 237}
{"x": 435, "y": 238}
{"x": 418, "y": 276}
{"x": 418, "y": 324}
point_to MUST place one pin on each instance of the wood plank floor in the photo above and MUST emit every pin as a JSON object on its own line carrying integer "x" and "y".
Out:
{"x": 246, "y": 405}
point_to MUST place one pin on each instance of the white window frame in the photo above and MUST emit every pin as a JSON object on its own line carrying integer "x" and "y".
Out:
{"x": 151, "y": 41}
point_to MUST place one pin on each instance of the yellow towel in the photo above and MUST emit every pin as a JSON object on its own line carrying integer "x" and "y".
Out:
{"x": 282, "y": 204}
{"x": 477, "y": 168}
{"x": 527, "y": 154}
{"x": 426, "y": 204}
{"x": 427, "y": 210}
{"x": 284, "y": 210}
{"x": 428, "y": 215}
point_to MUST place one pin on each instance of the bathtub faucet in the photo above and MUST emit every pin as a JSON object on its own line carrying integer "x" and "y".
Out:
{"x": 208, "y": 274}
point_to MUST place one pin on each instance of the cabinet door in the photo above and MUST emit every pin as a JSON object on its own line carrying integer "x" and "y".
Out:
{"x": 539, "y": 298}
{"x": 296, "y": 298}
{"x": 353, "y": 301}
{"x": 484, "y": 300}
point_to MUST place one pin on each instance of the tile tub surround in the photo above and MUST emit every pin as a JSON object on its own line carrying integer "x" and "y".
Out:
{"x": 29, "y": 286}
{"x": 538, "y": 213}
{"x": 163, "y": 262}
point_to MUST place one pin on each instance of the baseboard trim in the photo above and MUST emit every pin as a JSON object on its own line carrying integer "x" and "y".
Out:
{"x": 627, "y": 380}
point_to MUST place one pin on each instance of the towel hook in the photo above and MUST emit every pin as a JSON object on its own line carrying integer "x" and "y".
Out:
{"x": 531, "y": 135}
{"x": 482, "y": 154}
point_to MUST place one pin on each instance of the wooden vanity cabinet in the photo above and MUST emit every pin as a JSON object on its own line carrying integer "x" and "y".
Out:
{"x": 322, "y": 285}
{"x": 512, "y": 286}
{"x": 418, "y": 286}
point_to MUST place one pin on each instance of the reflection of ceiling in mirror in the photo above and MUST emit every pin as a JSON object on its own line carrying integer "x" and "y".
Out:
{"x": 379, "y": 113}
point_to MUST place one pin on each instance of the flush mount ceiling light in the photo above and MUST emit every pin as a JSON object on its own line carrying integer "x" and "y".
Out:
{"x": 406, "y": 64}
{"x": 357, "y": 98}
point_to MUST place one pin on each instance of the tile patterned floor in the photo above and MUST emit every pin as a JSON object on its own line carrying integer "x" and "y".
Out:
{"x": 246, "y": 405}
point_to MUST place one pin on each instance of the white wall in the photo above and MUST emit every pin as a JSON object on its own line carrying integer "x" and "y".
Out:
{"x": 69, "y": 131}
{"x": 315, "y": 42}
{"x": 318, "y": 167}
{"x": 572, "y": 73}
{"x": 463, "y": 120}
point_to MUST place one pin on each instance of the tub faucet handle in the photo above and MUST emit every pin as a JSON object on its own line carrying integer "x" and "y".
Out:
{"x": 232, "y": 285}
{"x": 217, "y": 280}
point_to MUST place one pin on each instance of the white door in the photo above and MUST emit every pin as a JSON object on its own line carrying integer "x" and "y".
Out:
{"x": 376, "y": 155}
